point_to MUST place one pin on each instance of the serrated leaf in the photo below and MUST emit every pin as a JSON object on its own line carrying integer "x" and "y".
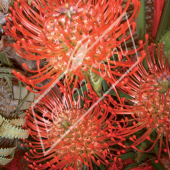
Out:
{"x": 6, "y": 151}
{"x": 5, "y": 60}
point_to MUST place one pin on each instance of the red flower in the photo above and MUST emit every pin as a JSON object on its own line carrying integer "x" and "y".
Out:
{"x": 71, "y": 135}
{"x": 71, "y": 36}
{"x": 150, "y": 103}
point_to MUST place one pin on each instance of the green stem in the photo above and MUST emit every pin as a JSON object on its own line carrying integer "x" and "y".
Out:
{"x": 141, "y": 24}
{"x": 141, "y": 27}
{"x": 139, "y": 154}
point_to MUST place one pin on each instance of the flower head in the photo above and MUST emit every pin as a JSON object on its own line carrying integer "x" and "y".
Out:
{"x": 149, "y": 103}
{"x": 70, "y": 36}
{"x": 66, "y": 136}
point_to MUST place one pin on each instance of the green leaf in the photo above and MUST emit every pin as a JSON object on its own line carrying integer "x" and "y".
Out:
{"x": 153, "y": 135}
{"x": 143, "y": 157}
{"x": 121, "y": 94}
{"x": 127, "y": 155}
{"x": 96, "y": 82}
{"x": 95, "y": 167}
{"x": 141, "y": 25}
{"x": 157, "y": 166}
{"x": 71, "y": 86}
{"x": 81, "y": 103}
{"x": 156, "y": 149}
{"x": 133, "y": 165}
{"x": 84, "y": 167}
{"x": 102, "y": 167}
{"x": 81, "y": 91}
{"x": 105, "y": 85}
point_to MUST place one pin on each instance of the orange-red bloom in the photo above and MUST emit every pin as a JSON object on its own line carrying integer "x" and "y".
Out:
{"x": 150, "y": 103}
{"x": 69, "y": 134}
{"x": 72, "y": 36}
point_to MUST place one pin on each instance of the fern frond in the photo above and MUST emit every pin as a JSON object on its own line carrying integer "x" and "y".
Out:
{"x": 6, "y": 151}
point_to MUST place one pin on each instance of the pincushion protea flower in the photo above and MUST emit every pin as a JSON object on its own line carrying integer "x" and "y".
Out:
{"x": 83, "y": 136}
{"x": 149, "y": 106}
{"x": 71, "y": 35}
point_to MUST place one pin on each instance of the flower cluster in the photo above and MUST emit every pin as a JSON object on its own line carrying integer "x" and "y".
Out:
{"x": 149, "y": 103}
{"x": 67, "y": 136}
{"x": 83, "y": 50}
{"x": 71, "y": 36}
